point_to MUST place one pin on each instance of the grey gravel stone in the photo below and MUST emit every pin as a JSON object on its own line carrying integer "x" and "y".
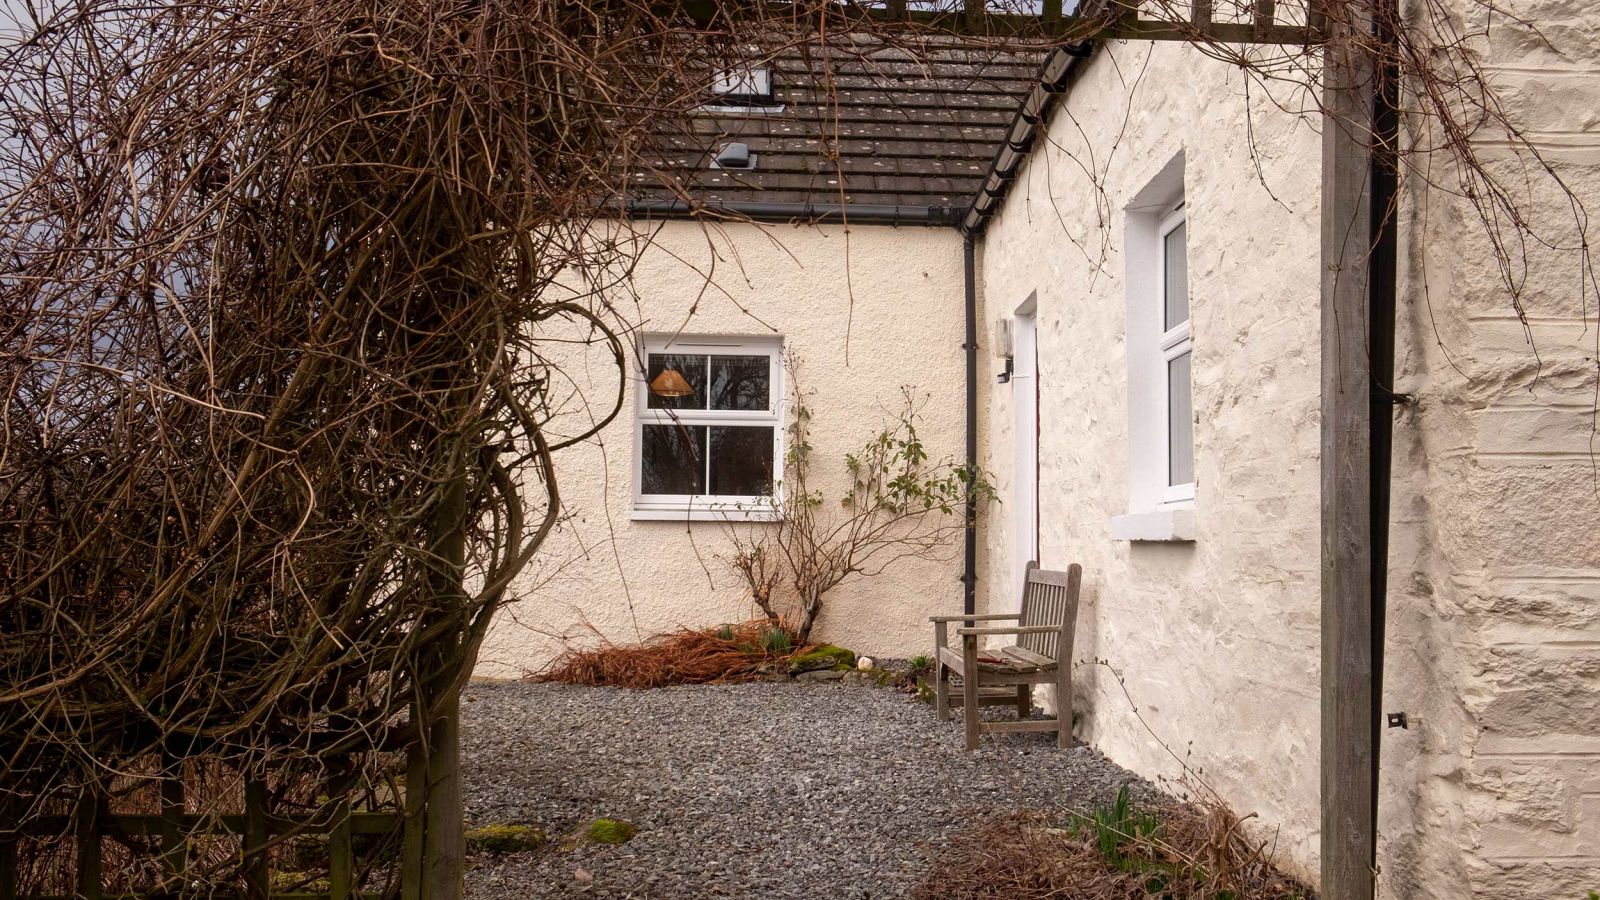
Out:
{"x": 752, "y": 790}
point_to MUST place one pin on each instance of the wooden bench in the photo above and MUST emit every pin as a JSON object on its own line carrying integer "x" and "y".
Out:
{"x": 1006, "y": 676}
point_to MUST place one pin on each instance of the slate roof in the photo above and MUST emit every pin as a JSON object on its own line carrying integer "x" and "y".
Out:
{"x": 899, "y": 126}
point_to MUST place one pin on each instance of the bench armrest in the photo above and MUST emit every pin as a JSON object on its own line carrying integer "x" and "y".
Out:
{"x": 1025, "y": 629}
{"x": 989, "y": 617}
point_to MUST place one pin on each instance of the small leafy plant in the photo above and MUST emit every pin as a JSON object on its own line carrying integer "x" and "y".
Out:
{"x": 775, "y": 640}
{"x": 1116, "y": 827}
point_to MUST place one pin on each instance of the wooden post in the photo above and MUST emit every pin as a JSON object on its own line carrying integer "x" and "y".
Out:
{"x": 411, "y": 840}
{"x": 1348, "y": 726}
{"x": 86, "y": 825}
{"x": 257, "y": 833}
{"x": 341, "y": 855}
{"x": 445, "y": 838}
{"x": 174, "y": 852}
{"x": 8, "y": 864}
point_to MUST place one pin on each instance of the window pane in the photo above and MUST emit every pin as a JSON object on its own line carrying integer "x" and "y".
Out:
{"x": 673, "y": 459}
{"x": 693, "y": 370}
{"x": 740, "y": 382}
{"x": 1175, "y": 263}
{"x": 741, "y": 461}
{"x": 1180, "y": 422}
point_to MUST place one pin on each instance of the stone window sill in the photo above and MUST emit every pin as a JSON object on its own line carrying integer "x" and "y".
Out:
{"x": 1174, "y": 525}
{"x": 702, "y": 514}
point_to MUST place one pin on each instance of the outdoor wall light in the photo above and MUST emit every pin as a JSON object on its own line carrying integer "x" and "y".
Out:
{"x": 670, "y": 384}
{"x": 1003, "y": 345}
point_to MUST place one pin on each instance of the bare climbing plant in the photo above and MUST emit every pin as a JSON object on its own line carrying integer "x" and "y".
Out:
{"x": 894, "y": 504}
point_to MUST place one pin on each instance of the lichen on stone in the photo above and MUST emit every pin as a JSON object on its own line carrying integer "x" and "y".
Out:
{"x": 506, "y": 838}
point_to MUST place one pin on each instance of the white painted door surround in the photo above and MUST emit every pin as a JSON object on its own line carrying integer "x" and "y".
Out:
{"x": 1025, "y": 444}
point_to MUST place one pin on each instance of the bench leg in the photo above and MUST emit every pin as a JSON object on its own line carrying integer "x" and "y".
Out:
{"x": 1024, "y": 700}
{"x": 941, "y": 675}
{"x": 969, "y": 688}
{"x": 1064, "y": 705}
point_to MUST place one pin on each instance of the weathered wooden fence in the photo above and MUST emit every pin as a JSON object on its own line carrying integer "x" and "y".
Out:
{"x": 258, "y": 828}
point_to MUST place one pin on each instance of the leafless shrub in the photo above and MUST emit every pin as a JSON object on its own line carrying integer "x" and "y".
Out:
{"x": 897, "y": 504}
{"x": 274, "y": 437}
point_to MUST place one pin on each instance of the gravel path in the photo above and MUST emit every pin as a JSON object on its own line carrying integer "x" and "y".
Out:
{"x": 752, "y": 790}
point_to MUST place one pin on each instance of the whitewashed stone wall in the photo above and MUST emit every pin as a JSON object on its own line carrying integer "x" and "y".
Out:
{"x": 1218, "y": 639}
{"x": 1494, "y": 634}
{"x": 1496, "y": 566}
{"x": 868, "y": 313}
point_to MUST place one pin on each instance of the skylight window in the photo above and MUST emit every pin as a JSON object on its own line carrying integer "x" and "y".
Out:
{"x": 743, "y": 86}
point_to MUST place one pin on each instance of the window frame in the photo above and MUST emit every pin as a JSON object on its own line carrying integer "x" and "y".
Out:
{"x": 1173, "y": 342}
{"x": 707, "y": 506}
{"x": 736, "y": 89}
{"x": 1153, "y": 513}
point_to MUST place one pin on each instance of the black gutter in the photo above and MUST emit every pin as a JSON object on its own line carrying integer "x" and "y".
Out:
{"x": 1055, "y": 77}
{"x": 800, "y": 213}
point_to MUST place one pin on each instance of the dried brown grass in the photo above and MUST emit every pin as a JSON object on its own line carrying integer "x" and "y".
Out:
{"x": 1198, "y": 853}
{"x": 687, "y": 656}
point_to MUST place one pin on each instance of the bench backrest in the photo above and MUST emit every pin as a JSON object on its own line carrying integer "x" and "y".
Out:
{"x": 1050, "y": 598}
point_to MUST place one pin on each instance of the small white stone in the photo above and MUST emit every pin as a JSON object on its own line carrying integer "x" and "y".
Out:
{"x": 865, "y": 664}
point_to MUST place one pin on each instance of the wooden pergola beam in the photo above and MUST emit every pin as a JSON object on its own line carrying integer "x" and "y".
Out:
{"x": 1119, "y": 22}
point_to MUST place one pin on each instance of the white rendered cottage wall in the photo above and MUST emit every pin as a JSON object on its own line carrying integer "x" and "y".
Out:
{"x": 1218, "y": 638}
{"x": 896, "y": 293}
{"x": 1494, "y": 631}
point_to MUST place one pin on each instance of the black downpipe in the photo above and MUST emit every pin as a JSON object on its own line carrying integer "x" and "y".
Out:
{"x": 969, "y": 569}
{"x": 1382, "y": 288}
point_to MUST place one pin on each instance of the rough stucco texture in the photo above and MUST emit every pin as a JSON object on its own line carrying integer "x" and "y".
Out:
{"x": 896, "y": 294}
{"x": 1494, "y": 622}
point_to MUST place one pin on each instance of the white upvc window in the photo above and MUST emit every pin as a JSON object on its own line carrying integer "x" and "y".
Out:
{"x": 1177, "y": 349}
{"x": 1160, "y": 356}
{"x": 708, "y": 435}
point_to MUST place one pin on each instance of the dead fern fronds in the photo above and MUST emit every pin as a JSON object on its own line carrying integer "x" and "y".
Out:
{"x": 688, "y": 656}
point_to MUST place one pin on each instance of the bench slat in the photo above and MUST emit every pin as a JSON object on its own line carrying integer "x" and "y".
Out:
{"x": 1029, "y": 658}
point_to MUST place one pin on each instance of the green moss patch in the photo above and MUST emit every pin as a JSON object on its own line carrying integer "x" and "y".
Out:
{"x": 822, "y": 656}
{"x": 611, "y": 831}
{"x": 506, "y": 838}
{"x": 298, "y": 881}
